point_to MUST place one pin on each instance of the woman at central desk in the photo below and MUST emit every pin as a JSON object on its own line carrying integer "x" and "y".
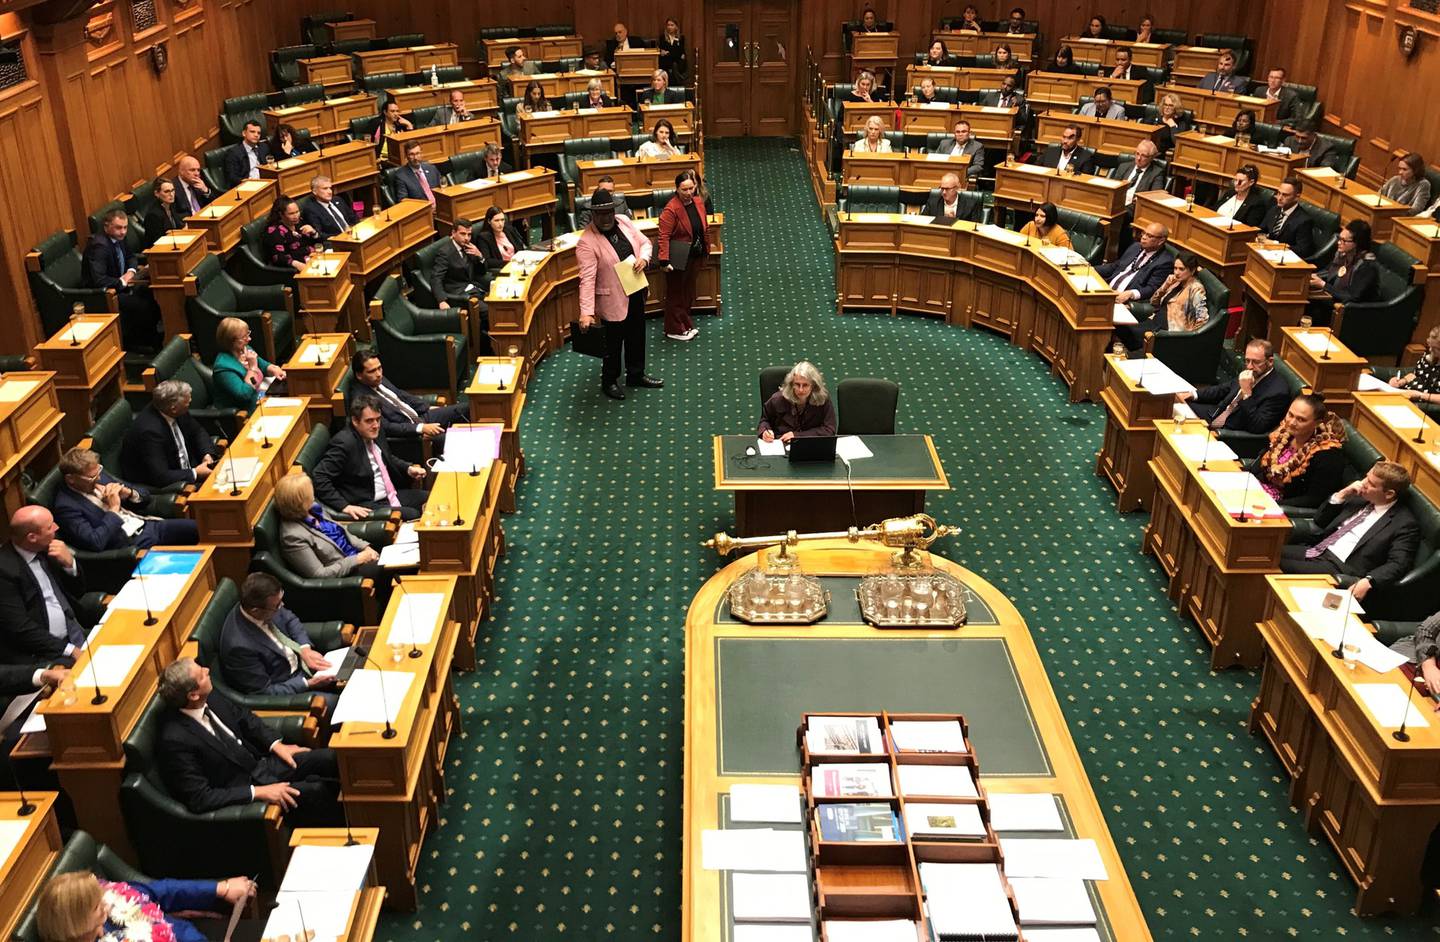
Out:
{"x": 801, "y": 407}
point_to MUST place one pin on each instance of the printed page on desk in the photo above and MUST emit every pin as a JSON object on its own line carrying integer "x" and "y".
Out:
{"x": 851, "y": 448}
{"x": 317, "y": 868}
{"x": 239, "y": 470}
{"x": 108, "y": 666}
{"x": 1388, "y": 704}
{"x": 967, "y": 901}
{"x": 363, "y": 702}
{"x": 775, "y": 449}
{"x": 160, "y": 592}
{"x": 416, "y": 617}
{"x": 771, "y": 897}
{"x": 11, "y": 833}
{"x": 325, "y": 915}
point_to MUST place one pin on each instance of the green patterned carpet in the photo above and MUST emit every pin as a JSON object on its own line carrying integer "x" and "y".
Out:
{"x": 564, "y": 814}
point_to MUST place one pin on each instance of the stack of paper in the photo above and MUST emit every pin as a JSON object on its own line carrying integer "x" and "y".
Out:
{"x": 1201, "y": 447}
{"x": 937, "y": 781}
{"x": 1369, "y": 382}
{"x": 470, "y": 448}
{"x": 1392, "y": 705}
{"x": 1061, "y": 935}
{"x": 770, "y": 449}
{"x": 1064, "y": 902}
{"x": 1240, "y": 493}
{"x": 160, "y": 592}
{"x": 928, "y": 735}
{"x": 1153, "y": 376}
{"x": 1172, "y": 202}
{"x": 955, "y": 821}
{"x": 270, "y": 428}
{"x": 851, "y": 448}
{"x": 764, "y": 932}
{"x": 494, "y": 374}
{"x": 276, "y": 402}
{"x": 763, "y": 849}
{"x": 400, "y": 555}
{"x": 854, "y": 735}
{"x": 230, "y": 470}
{"x": 775, "y": 803}
{"x": 322, "y": 868}
{"x": 967, "y": 901}
{"x": 336, "y": 659}
{"x": 1052, "y": 858}
{"x": 1358, "y": 643}
{"x": 770, "y": 897}
{"x": 416, "y": 618}
{"x": 871, "y": 930}
{"x": 108, "y": 665}
{"x": 372, "y": 696}
{"x": 1282, "y": 256}
{"x": 1024, "y": 812}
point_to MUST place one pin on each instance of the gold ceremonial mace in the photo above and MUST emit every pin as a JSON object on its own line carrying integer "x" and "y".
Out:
{"x": 906, "y": 534}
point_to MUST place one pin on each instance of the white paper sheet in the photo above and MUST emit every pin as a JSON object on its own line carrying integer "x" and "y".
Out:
{"x": 939, "y": 781}
{"x": 928, "y": 735}
{"x": 227, "y": 469}
{"x": 1182, "y": 411}
{"x": 470, "y": 446}
{"x": 1316, "y": 341}
{"x": 788, "y": 932}
{"x": 762, "y": 849}
{"x": 313, "y": 351}
{"x": 1061, "y": 935}
{"x": 1052, "y": 902}
{"x": 775, "y": 449}
{"x": 770, "y": 803}
{"x": 400, "y": 555}
{"x": 361, "y": 700}
{"x": 11, "y": 833}
{"x": 1024, "y": 812}
{"x": 336, "y": 658}
{"x": 34, "y": 723}
{"x": 274, "y": 402}
{"x": 13, "y": 390}
{"x": 967, "y": 900}
{"x": 1400, "y": 417}
{"x": 870, "y": 930}
{"x": 1317, "y": 599}
{"x": 1280, "y": 256}
{"x": 108, "y": 665}
{"x": 1386, "y": 702}
{"x": 416, "y": 617}
{"x": 80, "y": 330}
{"x": 1369, "y": 382}
{"x": 1052, "y": 858}
{"x": 325, "y": 915}
{"x": 1223, "y": 222}
{"x": 1122, "y": 315}
{"x": 406, "y": 533}
{"x": 1172, "y": 202}
{"x": 1240, "y": 492}
{"x": 851, "y": 448}
{"x": 1059, "y": 255}
{"x": 944, "y": 820}
{"x": 1193, "y": 447}
{"x": 492, "y": 374}
{"x": 770, "y": 897}
{"x": 327, "y": 869}
{"x": 273, "y": 427}
{"x": 160, "y": 590}
{"x": 937, "y": 158}
{"x": 1152, "y": 375}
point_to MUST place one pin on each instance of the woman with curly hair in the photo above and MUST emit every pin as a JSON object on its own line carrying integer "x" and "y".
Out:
{"x": 1304, "y": 462}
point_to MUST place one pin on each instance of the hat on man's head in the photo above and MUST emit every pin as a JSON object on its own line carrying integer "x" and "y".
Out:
{"x": 602, "y": 199}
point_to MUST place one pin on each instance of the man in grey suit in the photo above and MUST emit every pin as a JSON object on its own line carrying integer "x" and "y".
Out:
{"x": 1140, "y": 171}
{"x": 418, "y": 179}
{"x": 1321, "y": 153}
{"x": 455, "y": 112}
{"x": 457, "y": 271}
{"x": 264, "y": 649}
{"x": 1103, "y": 105}
{"x": 948, "y": 204}
{"x": 1007, "y": 96}
{"x": 963, "y": 143}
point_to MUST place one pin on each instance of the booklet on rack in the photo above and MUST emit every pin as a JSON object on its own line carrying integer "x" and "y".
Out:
{"x": 939, "y": 781}
{"x": 959, "y": 822}
{"x": 851, "y": 780}
{"x": 854, "y": 735}
{"x": 927, "y": 735}
{"x": 857, "y": 822}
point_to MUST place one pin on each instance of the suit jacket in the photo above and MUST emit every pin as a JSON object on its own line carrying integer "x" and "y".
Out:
{"x": 24, "y": 625}
{"x": 601, "y": 294}
{"x": 1259, "y": 414}
{"x": 1234, "y": 84}
{"x": 237, "y": 164}
{"x": 671, "y": 96}
{"x": 1083, "y": 157}
{"x": 1252, "y": 210}
{"x": 1289, "y": 101}
{"x": 446, "y": 116}
{"x": 992, "y": 99}
{"x": 101, "y": 268}
{"x": 675, "y": 227}
{"x": 252, "y": 662}
{"x": 89, "y": 527}
{"x": 314, "y": 214}
{"x": 1361, "y": 282}
{"x": 605, "y": 102}
{"x": 1322, "y": 153}
{"x": 974, "y": 148}
{"x": 452, "y": 270}
{"x": 622, "y": 208}
{"x": 160, "y": 219}
{"x": 393, "y": 422}
{"x": 203, "y": 772}
{"x": 490, "y": 249}
{"x": 311, "y": 553}
{"x": 482, "y": 172}
{"x": 610, "y": 45}
{"x": 149, "y": 454}
{"x": 1116, "y": 112}
{"x": 967, "y": 206}
{"x": 1387, "y": 550}
{"x": 1150, "y": 277}
{"x": 406, "y": 184}
{"x": 1298, "y": 231}
{"x": 1151, "y": 178}
{"x": 508, "y": 74}
{"x": 184, "y": 193}
{"x": 343, "y": 474}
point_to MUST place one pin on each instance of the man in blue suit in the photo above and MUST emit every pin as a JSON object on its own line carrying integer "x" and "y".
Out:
{"x": 242, "y": 162}
{"x": 97, "y": 511}
{"x": 1141, "y": 268}
{"x": 108, "y": 262}
{"x": 323, "y": 212}
{"x": 265, "y": 650}
{"x": 418, "y": 179}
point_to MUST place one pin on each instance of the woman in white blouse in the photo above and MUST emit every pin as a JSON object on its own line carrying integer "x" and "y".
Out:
{"x": 873, "y": 140}
{"x": 662, "y": 142}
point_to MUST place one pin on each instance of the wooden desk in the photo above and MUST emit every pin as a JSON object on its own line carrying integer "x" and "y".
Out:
{"x": 481, "y": 95}
{"x": 349, "y": 166}
{"x": 1063, "y": 90}
{"x": 964, "y": 42}
{"x": 1117, "y": 138}
{"x": 228, "y": 519}
{"x": 407, "y": 58}
{"x": 916, "y": 173}
{"x": 993, "y": 125}
{"x": 365, "y": 911}
{"x": 539, "y": 48}
{"x": 444, "y": 142}
{"x": 1028, "y": 185}
{"x": 636, "y": 66}
{"x": 1277, "y": 290}
{"x": 995, "y": 671}
{"x": 28, "y": 863}
{"x": 1131, "y": 413}
{"x": 340, "y": 30}
{"x": 85, "y": 357}
{"x": 1219, "y": 240}
{"x": 1325, "y": 364}
{"x": 1216, "y": 563}
{"x": 773, "y": 495}
{"x": 1193, "y": 63}
{"x": 397, "y": 784}
{"x": 548, "y": 130}
{"x": 635, "y": 174}
{"x": 556, "y": 84}
{"x": 1375, "y": 419}
{"x": 1420, "y": 238}
{"x": 521, "y": 193}
{"x": 327, "y": 296}
{"x": 680, "y": 114}
{"x": 323, "y": 119}
{"x": 231, "y": 211}
{"x": 1217, "y": 110}
{"x": 980, "y": 275}
{"x": 873, "y": 51}
{"x": 1374, "y": 798}
{"x": 29, "y": 431}
{"x": 1101, "y": 52}
{"x": 315, "y": 369}
{"x": 334, "y": 72}
{"x": 495, "y": 402}
{"x": 1216, "y": 157}
{"x": 171, "y": 260}
{"x": 1351, "y": 200}
{"x": 967, "y": 80}
{"x": 378, "y": 243}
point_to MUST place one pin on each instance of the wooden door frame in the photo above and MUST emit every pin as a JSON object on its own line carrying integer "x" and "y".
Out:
{"x": 703, "y": 65}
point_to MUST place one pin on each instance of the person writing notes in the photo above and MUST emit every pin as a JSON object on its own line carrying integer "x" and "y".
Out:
{"x": 801, "y": 407}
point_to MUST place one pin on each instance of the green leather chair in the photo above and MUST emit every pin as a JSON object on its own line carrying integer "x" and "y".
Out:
{"x": 284, "y": 63}
{"x": 363, "y": 129}
{"x": 301, "y": 94}
{"x": 106, "y": 437}
{"x": 1382, "y": 328}
{"x": 212, "y": 169}
{"x": 348, "y": 47}
{"x": 324, "y": 636}
{"x": 80, "y": 853}
{"x": 177, "y": 361}
{"x": 54, "y": 270}
{"x": 425, "y": 117}
{"x": 1173, "y": 37}
{"x": 313, "y": 450}
{"x": 870, "y": 199}
{"x": 235, "y": 112}
{"x": 248, "y": 263}
{"x": 169, "y": 838}
{"x": 140, "y": 199}
{"x": 312, "y": 26}
{"x": 1195, "y": 354}
{"x": 866, "y": 405}
{"x": 15, "y": 363}
{"x": 350, "y": 598}
{"x": 583, "y": 148}
{"x": 444, "y": 75}
{"x": 1342, "y": 153}
{"x": 400, "y": 41}
{"x": 1087, "y": 235}
{"x": 947, "y": 94}
{"x": 1327, "y": 234}
{"x": 266, "y": 308}
{"x": 771, "y": 379}
{"x": 417, "y": 274}
{"x": 1249, "y": 444}
{"x": 422, "y": 349}
{"x": 462, "y": 168}
{"x": 379, "y": 81}
{"x": 1240, "y": 44}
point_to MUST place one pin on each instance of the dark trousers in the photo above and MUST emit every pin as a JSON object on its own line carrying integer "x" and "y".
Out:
{"x": 680, "y": 297}
{"x": 412, "y": 501}
{"x": 139, "y": 318}
{"x": 1133, "y": 335}
{"x": 1293, "y": 561}
{"x": 316, "y": 777}
{"x": 625, "y": 338}
{"x": 168, "y": 533}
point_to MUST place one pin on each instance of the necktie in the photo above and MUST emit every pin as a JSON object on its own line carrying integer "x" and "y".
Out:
{"x": 61, "y": 621}
{"x": 1219, "y": 421}
{"x": 288, "y": 647}
{"x": 119, "y": 258}
{"x": 425, "y": 185}
{"x": 1129, "y": 272}
{"x": 1279, "y": 224}
{"x": 1362, "y": 514}
{"x": 390, "y": 495}
{"x": 226, "y": 736}
{"x": 339, "y": 219}
{"x": 190, "y": 196}
{"x": 389, "y": 396}
{"x": 180, "y": 446}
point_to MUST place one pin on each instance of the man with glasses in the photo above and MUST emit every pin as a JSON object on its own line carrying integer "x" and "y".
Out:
{"x": 266, "y": 651}
{"x": 96, "y": 511}
{"x": 947, "y": 204}
{"x": 1255, "y": 401}
{"x": 963, "y": 144}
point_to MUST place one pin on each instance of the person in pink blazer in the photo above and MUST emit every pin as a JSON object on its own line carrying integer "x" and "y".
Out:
{"x": 607, "y": 240}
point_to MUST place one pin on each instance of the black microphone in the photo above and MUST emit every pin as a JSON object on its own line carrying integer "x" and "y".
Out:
{"x": 27, "y": 807}
{"x": 230, "y": 456}
{"x": 150, "y": 618}
{"x": 99, "y": 697}
{"x": 1245, "y": 497}
{"x": 260, "y": 422}
{"x": 364, "y": 655}
{"x": 410, "y": 619}
{"x": 1400, "y": 734}
{"x": 1205, "y": 452}
{"x": 1344, "y": 624}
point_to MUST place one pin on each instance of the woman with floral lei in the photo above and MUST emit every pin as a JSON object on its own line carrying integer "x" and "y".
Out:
{"x": 78, "y": 907}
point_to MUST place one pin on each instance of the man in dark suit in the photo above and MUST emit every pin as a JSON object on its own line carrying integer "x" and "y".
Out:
{"x": 358, "y": 473}
{"x": 1274, "y": 90}
{"x": 242, "y": 161}
{"x": 622, "y": 40}
{"x": 109, "y": 263}
{"x": 1140, "y": 171}
{"x": 1122, "y": 68}
{"x": 1362, "y": 532}
{"x": 1008, "y": 95}
{"x": 1068, "y": 156}
{"x": 418, "y": 179}
{"x": 19, "y": 684}
{"x": 1141, "y": 268}
{"x": 947, "y": 204}
{"x": 1255, "y": 401}
{"x": 1244, "y": 202}
{"x": 40, "y": 587}
{"x": 494, "y": 165}
{"x": 964, "y": 143}
{"x": 265, "y": 650}
{"x": 401, "y": 414}
{"x": 1288, "y": 222}
{"x": 214, "y": 754}
{"x": 323, "y": 212}
{"x": 622, "y": 208}
{"x": 1319, "y": 152}
{"x": 1224, "y": 79}
{"x": 192, "y": 193}
{"x": 458, "y": 269}
{"x": 97, "y": 511}
{"x": 164, "y": 444}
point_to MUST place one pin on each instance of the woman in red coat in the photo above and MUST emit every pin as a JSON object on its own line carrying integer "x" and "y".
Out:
{"x": 683, "y": 247}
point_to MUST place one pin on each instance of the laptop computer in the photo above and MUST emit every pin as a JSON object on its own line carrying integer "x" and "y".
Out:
{"x": 812, "y": 448}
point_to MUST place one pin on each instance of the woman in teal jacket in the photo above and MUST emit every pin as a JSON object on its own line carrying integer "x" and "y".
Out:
{"x": 239, "y": 371}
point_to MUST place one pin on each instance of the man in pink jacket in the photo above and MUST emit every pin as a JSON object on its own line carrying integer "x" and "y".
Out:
{"x": 607, "y": 241}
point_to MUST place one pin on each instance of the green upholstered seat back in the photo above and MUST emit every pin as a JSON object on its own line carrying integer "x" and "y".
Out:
{"x": 108, "y": 433}
{"x": 1359, "y": 454}
{"x": 401, "y": 40}
{"x": 380, "y": 80}
{"x": 397, "y": 313}
{"x": 424, "y": 117}
{"x": 212, "y": 619}
{"x": 348, "y": 47}
{"x": 43, "y": 492}
{"x": 866, "y": 405}
{"x": 214, "y": 287}
{"x": 466, "y": 167}
{"x": 771, "y": 378}
{"x": 300, "y": 94}
{"x": 872, "y": 199}
{"x": 1217, "y": 294}
{"x": 313, "y": 450}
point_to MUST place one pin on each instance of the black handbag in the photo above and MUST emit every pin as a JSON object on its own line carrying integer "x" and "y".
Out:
{"x": 589, "y": 342}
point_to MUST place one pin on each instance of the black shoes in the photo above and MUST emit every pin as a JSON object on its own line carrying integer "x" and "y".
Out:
{"x": 614, "y": 391}
{"x": 647, "y": 382}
